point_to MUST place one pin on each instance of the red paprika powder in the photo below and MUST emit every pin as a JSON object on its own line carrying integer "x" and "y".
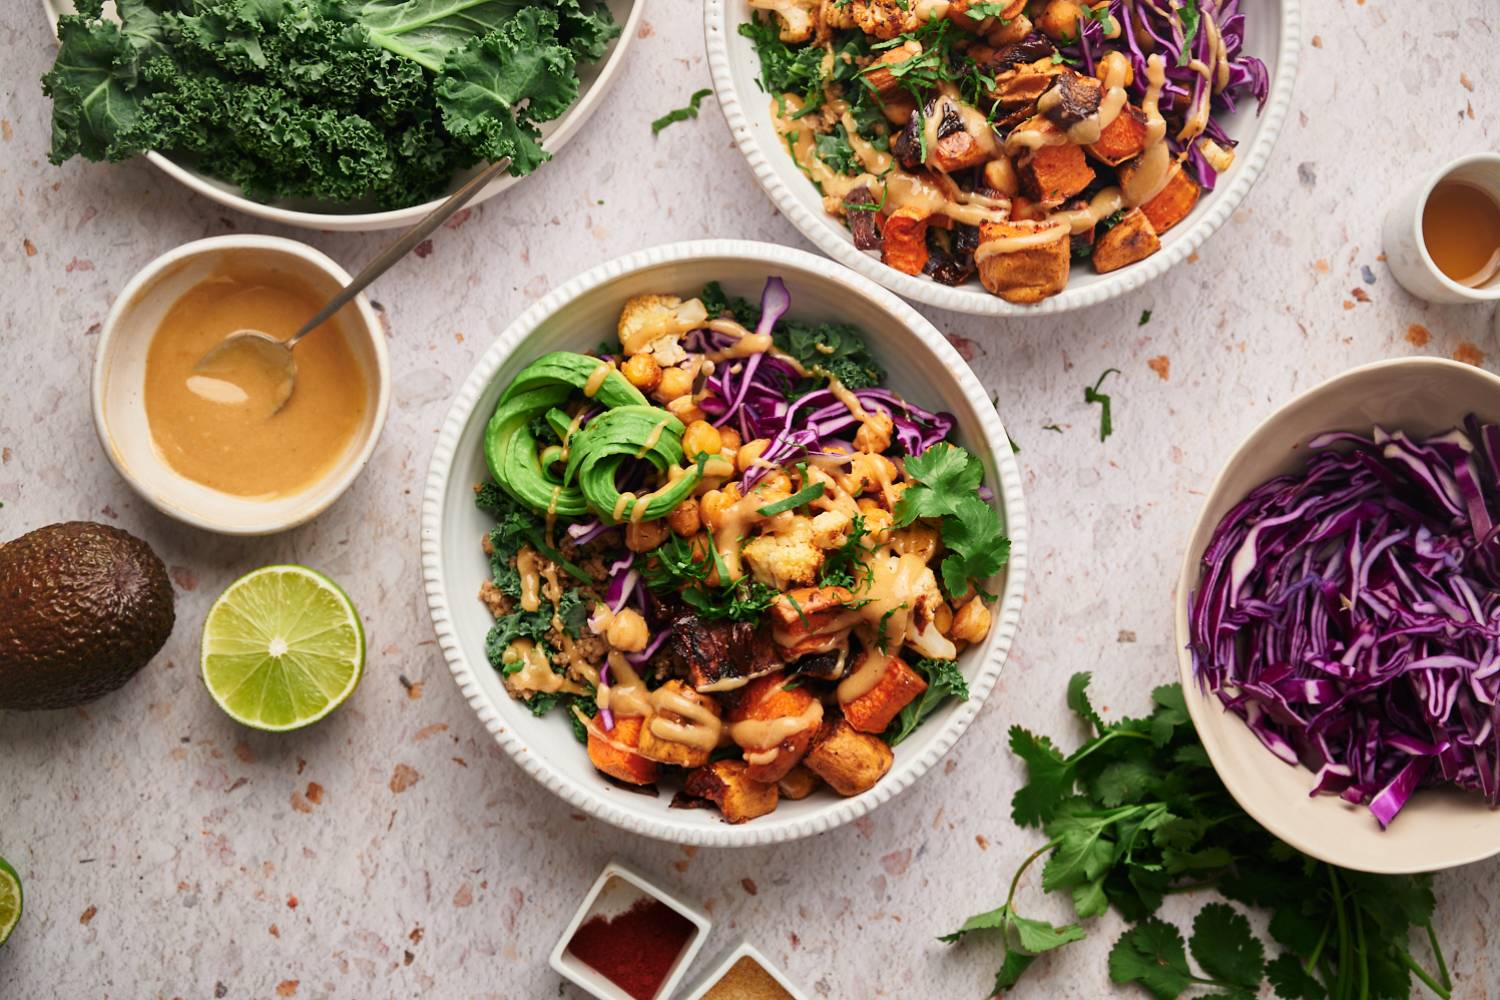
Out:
{"x": 635, "y": 949}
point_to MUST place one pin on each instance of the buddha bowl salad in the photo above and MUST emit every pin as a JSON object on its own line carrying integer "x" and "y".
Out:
{"x": 725, "y": 551}
{"x": 1006, "y": 138}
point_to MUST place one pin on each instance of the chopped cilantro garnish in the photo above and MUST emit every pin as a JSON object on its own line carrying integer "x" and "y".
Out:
{"x": 681, "y": 114}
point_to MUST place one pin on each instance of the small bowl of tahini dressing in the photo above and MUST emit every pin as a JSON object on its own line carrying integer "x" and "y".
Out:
{"x": 217, "y": 452}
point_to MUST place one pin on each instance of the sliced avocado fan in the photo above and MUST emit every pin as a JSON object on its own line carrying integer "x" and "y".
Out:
{"x": 629, "y": 427}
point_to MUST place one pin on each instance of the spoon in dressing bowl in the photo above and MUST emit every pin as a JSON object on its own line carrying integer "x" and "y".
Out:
{"x": 251, "y": 364}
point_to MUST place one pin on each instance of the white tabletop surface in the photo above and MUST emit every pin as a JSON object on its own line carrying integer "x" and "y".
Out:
{"x": 392, "y": 850}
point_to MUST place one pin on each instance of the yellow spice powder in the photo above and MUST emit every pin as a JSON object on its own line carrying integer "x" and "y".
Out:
{"x": 747, "y": 980}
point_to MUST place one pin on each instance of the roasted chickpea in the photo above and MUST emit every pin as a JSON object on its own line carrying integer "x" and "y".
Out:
{"x": 645, "y": 535}
{"x": 714, "y": 503}
{"x": 1110, "y": 60}
{"x": 874, "y": 434}
{"x": 701, "y": 436}
{"x": 684, "y": 518}
{"x": 942, "y": 617}
{"x": 729, "y": 439}
{"x": 627, "y": 632}
{"x": 877, "y": 520}
{"x": 867, "y": 472}
{"x": 917, "y": 539}
{"x": 643, "y": 372}
{"x": 745, "y": 457}
{"x": 684, "y": 409}
{"x": 674, "y": 382}
{"x": 972, "y": 622}
{"x": 1059, "y": 20}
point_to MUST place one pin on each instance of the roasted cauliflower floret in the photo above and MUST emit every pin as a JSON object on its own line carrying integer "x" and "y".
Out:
{"x": 786, "y": 557}
{"x": 836, "y": 16}
{"x": 831, "y": 529}
{"x": 654, "y": 324}
{"x": 794, "y": 17}
{"x": 884, "y": 18}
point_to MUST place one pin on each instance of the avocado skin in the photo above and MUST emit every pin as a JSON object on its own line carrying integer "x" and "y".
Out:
{"x": 83, "y": 607}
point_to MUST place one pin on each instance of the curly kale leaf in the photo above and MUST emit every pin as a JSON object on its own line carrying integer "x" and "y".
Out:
{"x": 377, "y": 101}
{"x": 837, "y": 350}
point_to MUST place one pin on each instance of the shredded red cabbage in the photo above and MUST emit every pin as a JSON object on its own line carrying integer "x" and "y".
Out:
{"x": 1157, "y": 26}
{"x": 1349, "y": 614}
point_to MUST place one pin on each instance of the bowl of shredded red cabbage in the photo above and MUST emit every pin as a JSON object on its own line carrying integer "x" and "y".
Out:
{"x": 1343, "y": 612}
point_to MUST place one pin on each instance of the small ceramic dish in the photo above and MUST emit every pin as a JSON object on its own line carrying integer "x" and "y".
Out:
{"x": 1405, "y": 247}
{"x": 120, "y": 372}
{"x": 924, "y": 368}
{"x": 1438, "y": 828}
{"x": 1273, "y": 32}
{"x": 744, "y": 950}
{"x": 595, "y": 80}
{"x": 616, "y": 890}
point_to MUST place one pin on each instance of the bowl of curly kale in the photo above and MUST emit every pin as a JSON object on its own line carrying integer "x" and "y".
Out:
{"x": 330, "y": 114}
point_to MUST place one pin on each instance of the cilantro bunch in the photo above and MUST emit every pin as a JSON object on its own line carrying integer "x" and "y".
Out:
{"x": 337, "y": 100}
{"x": 1137, "y": 813}
{"x": 946, "y": 489}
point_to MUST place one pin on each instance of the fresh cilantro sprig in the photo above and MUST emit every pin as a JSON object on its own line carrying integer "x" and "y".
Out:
{"x": 1091, "y": 394}
{"x": 1138, "y": 813}
{"x": 946, "y": 488}
{"x": 681, "y": 114}
{"x": 676, "y": 569}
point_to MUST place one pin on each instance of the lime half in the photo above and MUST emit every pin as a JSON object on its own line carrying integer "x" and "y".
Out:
{"x": 282, "y": 647}
{"x": 10, "y": 900}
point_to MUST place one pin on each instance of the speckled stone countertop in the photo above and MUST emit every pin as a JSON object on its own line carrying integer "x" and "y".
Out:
{"x": 392, "y": 850}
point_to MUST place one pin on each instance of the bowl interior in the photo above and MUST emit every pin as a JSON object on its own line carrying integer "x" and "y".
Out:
{"x": 120, "y": 386}
{"x": 366, "y": 215}
{"x": 1438, "y": 828}
{"x": 1265, "y": 21}
{"x": 550, "y": 751}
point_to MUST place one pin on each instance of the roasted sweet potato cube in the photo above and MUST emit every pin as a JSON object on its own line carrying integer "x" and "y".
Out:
{"x": 767, "y": 699}
{"x": 727, "y": 785}
{"x": 872, "y": 711}
{"x": 1122, "y": 139}
{"x": 1173, "y": 202}
{"x": 798, "y": 783}
{"x": 1131, "y": 239}
{"x": 811, "y": 609}
{"x": 849, "y": 761}
{"x": 905, "y": 236}
{"x": 1053, "y": 173}
{"x": 660, "y": 746}
{"x": 1022, "y": 263}
{"x": 878, "y": 75}
{"x": 616, "y": 755}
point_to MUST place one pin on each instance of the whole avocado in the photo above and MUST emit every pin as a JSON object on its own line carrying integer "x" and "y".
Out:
{"x": 83, "y": 607}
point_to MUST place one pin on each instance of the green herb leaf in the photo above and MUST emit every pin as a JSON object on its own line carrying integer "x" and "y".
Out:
{"x": 1145, "y": 317}
{"x": 1225, "y": 948}
{"x": 1291, "y": 981}
{"x": 1189, "y": 16}
{"x": 681, "y": 114}
{"x": 943, "y": 682}
{"x": 805, "y": 495}
{"x": 1152, "y": 954}
{"x": 835, "y": 350}
{"x": 1091, "y": 394}
{"x": 944, "y": 472}
{"x": 1049, "y": 778}
{"x": 1078, "y": 701}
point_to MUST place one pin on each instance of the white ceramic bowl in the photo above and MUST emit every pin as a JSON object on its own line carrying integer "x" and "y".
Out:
{"x": 1438, "y": 828}
{"x": 595, "y": 79}
{"x": 120, "y": 371}
{"x": 1273, "y": 33}
{"x": 924, "y": 368}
